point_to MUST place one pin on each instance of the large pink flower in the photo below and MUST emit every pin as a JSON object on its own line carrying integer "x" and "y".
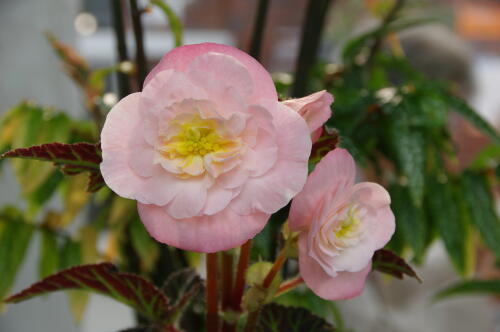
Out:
{"x": 341, "y": 225}
{"x": 206, "y": 148}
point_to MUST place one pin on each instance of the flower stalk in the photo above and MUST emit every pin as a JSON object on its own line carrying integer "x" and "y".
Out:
{"x": 239, "y": 283}
{"x": 258, "y": 30}
{"x": 140, "y": 56}
{"x": 212, "y": 315}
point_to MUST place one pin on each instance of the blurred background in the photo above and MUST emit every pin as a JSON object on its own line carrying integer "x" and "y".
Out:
{"x": 463, "y": 48}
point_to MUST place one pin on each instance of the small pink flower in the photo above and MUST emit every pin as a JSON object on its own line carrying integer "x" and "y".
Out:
{"x": 315, "y": 109}
{"x": 341, "y": 224}
{"x": 206, "y": 148}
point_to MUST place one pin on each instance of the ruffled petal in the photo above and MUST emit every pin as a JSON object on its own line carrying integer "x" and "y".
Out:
{"x": 273, "y": 190}
{"x": 217, "y": 199}
{"x": 181, "y": 57}
{"x": 121, "y": 123}
{"x": 221, "y": 231}
{"x": 189, "y": 201}
{"x": 315, "y": 108}
{"x": 345, "y": 285}
{"x": 230, "y": 93}
{"x": 334, "y": 175}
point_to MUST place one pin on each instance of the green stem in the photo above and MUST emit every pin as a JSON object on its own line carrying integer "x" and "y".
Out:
{"x": 258, "y": 29}
{"x": 309, "y": 45}
{"x": 389, "y": 18}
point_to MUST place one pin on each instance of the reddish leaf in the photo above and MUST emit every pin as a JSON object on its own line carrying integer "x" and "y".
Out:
{"x": 74, "y": 65}
{"x": 327, "y": 142}
{"x": 104, "y": 278}
{"x": 96, "y": 182}
{"x": 71, "y": 158}
{"x": 386, "y": 261}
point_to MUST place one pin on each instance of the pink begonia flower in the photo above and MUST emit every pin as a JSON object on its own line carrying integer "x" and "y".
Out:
{"x": 315, "y": 109}
{"x": 206, "y": 148}
{"x": 341, "y": 225}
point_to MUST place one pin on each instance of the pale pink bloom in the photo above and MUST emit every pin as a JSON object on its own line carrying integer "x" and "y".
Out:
{"x": 206, "y": 148}
{"x": 315, "y": 109}
{"x": 341, "y": 225}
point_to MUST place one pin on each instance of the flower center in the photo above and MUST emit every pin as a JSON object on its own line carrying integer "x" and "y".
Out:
{"x": 349, "y": 227}
{"x": 198, "y": 138}
{"x": 189, "y": 139}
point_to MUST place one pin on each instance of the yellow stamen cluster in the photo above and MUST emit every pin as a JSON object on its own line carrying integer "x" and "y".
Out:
{"x": 348, "y": 227}
{"x": 196, "y": 138}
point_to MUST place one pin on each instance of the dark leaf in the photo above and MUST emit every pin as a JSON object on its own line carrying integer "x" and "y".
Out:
{"x": 132, "y": 290}
{"x": 410, "y": 220}
{"x": 305, "y": 298}
{"x": 96, "y": 182}
{"x": 446, "y": 207}
{"x": 326, "y": 143}
{"x": 480, "y": 204}
{"x": 386, "y": 261}
{"x": 471, "y": 287}
{"x": 75, "y": 66}
{"x": 181, "y": 286}
{"x": 408, "y": 145}
{"x": 468, "y": 113}
{"x": 278, "y": 318}
{"x": 71, "y": 158}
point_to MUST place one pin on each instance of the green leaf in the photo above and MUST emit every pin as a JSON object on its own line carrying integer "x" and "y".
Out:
{"x": 173, "y": 20}
{"x": 305, "y": 298}
{"x": 488, "y": 157}
{"x": 278, "y": 318}
{"x": 461, "y": 107}
{"x": 451, "y": 222}
{"x": 147, "y": 248}
{"x": 386, "y": 261}
{"x": 71, "y": 255}
{"x": 470, "y": 287}
{"x": 257, "y": 295}
{"x": 44, "y": 192}
{"x": 48, "y": 262}
{"x": 480, "y": 204}
{"x": 410, "y": 220}
{"x": 14, "y": 241}
{"x": 130, "y": 289}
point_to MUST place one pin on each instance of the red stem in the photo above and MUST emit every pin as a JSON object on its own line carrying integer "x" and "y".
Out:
{"x": 251, "y": 322}
{"x": 211, "y": 294}
{"x": 289, "y": 285}
{"x": 275, "y": 269}
{"x": 239, "y": 283}
{"x": 227, "y": 287}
